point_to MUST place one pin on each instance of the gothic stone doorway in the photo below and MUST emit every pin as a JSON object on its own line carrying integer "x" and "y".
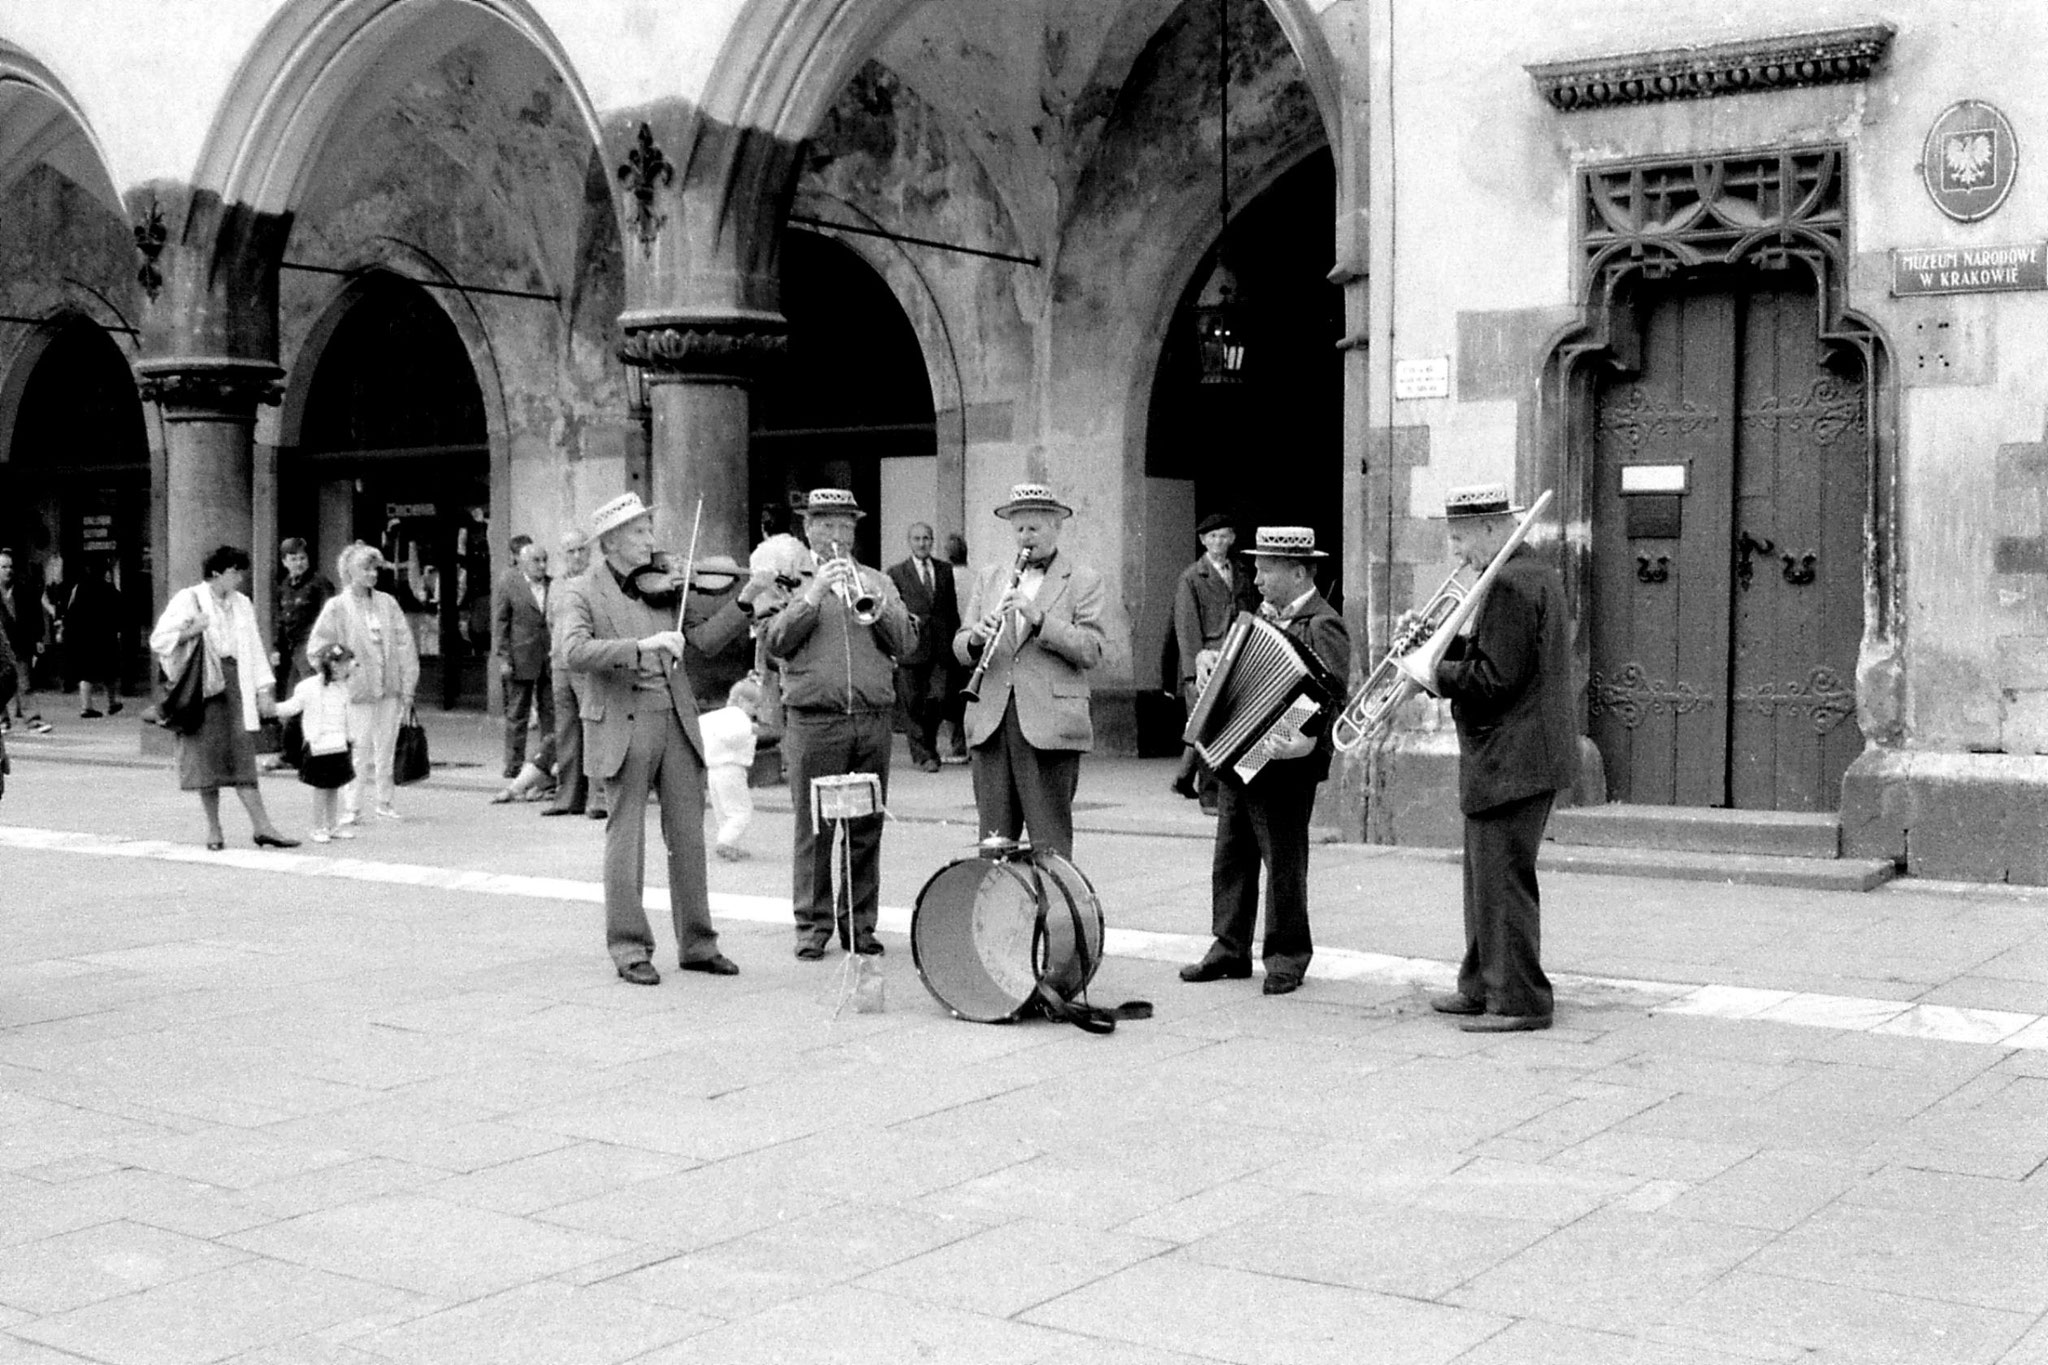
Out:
{"x": 1731, "y": 480}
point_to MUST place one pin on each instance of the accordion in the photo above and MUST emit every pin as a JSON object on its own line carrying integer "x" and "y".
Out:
{"x": 1262, "y": 676}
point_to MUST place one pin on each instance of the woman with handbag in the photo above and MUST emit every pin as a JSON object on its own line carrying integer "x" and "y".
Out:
{"x": 211, "y": 627}
{"x": 387, "y": 673}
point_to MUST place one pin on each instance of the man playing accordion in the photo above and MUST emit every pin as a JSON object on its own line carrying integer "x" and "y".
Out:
{"x": 1265, "y": 820}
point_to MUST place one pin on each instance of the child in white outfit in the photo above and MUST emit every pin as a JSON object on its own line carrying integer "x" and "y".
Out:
{"x": 728, "y": 756}
{"x": 320, "y": 701}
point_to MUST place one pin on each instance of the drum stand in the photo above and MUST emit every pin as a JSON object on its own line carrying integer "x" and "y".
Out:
{"x": 841, "y": 800}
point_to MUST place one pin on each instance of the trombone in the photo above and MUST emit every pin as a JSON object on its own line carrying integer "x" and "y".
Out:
{"x": 864, "y": 605}
{"x": 1411, "y": 661}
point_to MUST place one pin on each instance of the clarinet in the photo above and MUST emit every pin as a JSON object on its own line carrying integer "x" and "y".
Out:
{"x": 972, "y": 689}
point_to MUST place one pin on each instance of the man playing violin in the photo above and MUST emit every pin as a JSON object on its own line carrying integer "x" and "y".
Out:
{"x": 618, "y": 630}
{"x": 837, "y": 640}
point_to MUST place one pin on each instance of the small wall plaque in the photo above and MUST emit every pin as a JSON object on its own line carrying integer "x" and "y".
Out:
{"x": 1426, "y": 378}
{"x": 1969, "y": 270}
{"x": 1969, "y": 160}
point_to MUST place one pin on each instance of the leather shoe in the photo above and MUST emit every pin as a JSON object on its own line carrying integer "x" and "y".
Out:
{"x": 275, "y": 841}
{"x": 718, "y": 964}
{"x": 869, "y": 947}
{"x": 560, "y": 810}
{"x": 1217, "y": 969}
{"x": 812, "y": 951}
{"x": 1285, "y": 983}
{"x": 640, "y": 974}
{"x": 1456, "y": 1002}
{"x": 598, "y": 813}
{"x": 1506, "y": 1023}
{"x": 1184, "y": 785}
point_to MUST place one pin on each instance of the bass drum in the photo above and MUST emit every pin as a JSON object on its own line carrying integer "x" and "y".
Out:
{"x": 976, "y": 938}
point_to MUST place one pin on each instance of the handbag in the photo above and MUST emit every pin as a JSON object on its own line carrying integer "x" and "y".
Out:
{"x": 409, "y": 761}
{"x": 183, "y": 709}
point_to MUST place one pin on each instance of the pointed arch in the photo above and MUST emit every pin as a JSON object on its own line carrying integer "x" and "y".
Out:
{"x": 40, "y": 122}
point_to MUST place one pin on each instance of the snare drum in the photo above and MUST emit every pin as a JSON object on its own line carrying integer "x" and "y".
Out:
{"x": 988, "y": 930}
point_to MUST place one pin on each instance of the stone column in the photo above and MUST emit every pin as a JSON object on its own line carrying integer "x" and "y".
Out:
{"x": 209, "y": 413}
{"x": 697, "y": 371}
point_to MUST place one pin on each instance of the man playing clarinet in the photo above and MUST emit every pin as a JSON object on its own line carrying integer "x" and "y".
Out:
{"x": 1265, "y": 821}
{"x": 1034, "y": 629}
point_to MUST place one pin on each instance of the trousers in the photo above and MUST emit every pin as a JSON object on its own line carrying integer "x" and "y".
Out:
{"x": 1017, "y": 787}
{"x": 1503, "y": 935}
{"x": 373, "y": 734}
{"x": 529, "y": 699}
{"x": 658, "y": 759}
{"x": 572, "y": 786}
{"x": 1263, "y": 825}
{"x": 827, "y": 744}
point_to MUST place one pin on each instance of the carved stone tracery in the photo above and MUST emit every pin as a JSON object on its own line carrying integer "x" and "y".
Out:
{"x": 206, "y": 389}
{"x": 1828, "y": 57}
{"x": 704, "y": 349}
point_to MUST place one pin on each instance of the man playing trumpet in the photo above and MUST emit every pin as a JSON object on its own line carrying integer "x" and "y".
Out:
{"x": 1034, "y": 629}
{"x": 837, "y": 639}
{"x": 1265, "y": 821}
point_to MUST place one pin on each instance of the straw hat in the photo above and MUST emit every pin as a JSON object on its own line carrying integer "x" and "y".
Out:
{"x": 624, "y": 508}
{"x": 832, "y": 501}
{"x": 1287, "y": 542}
{"x": 1032, "y": 497}
{"x": 1479, "y": 500}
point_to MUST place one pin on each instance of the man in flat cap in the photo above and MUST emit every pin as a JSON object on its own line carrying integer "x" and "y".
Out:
{"x": 1036, "y": 621}
{"x": 643, "y": 737}
{"x": 1208, "y": 597}
{"x": 1509, "y": 685}
{"x": 1264, "y": 821}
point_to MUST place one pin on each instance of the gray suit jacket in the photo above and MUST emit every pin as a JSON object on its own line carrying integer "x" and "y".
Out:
{"x": 1048, "y": 673}
{"x": 599, "y": 628}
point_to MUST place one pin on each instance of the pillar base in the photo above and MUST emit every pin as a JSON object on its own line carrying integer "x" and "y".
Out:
{"x": 1964, "y": 817}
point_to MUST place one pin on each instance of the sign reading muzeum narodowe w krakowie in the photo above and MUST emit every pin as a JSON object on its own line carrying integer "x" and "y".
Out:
{"x": 1969, "y": 269}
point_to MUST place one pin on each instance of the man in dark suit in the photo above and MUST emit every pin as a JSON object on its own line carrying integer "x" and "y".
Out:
{"x": 1038, "y": 619}
{"x": 925, "y": 583}
{"x": 1210, "y": 594}
{"x": 641, "y": 730}
{"x": 1509, "y": 685}
{"x": 1264, "y": 820}
{"x": 519, "y": 637}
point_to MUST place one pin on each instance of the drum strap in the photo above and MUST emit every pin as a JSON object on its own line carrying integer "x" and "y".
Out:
{"x": 1082, "y": 1015}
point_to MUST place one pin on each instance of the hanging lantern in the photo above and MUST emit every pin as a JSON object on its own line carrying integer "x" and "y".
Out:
{"x": 1219, "y": 333}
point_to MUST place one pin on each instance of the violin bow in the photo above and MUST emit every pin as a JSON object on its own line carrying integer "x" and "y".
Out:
{"x": 690, "y": 563}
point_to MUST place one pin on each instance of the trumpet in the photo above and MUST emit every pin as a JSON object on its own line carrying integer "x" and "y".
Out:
{"x": 972, "y": 688}
{"x": 864, "y": 605}
{"x": 1411, "y": 661}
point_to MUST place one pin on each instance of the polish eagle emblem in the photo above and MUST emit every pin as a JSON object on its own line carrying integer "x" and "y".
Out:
{"x": 1968, "y": 157}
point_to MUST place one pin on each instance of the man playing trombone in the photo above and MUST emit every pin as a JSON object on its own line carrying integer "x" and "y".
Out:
{"x": 1509, "y": 685}
{"x": 838, "y": 640}
{"x": 1265, "y": 821}
{"x": 1033, "y": 630}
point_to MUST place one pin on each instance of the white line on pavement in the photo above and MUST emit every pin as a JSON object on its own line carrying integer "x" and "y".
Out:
{"x": 1998, "y": 1028}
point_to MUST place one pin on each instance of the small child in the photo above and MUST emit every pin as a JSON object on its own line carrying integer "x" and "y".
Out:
{"x": 320, "y": 701}
{"x": 728, "y": 756}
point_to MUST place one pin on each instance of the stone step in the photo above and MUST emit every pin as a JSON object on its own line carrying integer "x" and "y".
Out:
{"x": 1748, "y": 869}
{"x": 1700, "y": 829}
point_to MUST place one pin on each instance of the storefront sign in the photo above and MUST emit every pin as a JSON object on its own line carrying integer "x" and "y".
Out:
{"x": 1969, "y": 160}
{"x": 394, "y": 510}
{"x": 96, "y": 534}
{"x": 1427, "y": 378}
{"x": 1969, "y": 269}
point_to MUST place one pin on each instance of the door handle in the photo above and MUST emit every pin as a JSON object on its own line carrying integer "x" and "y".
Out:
{"x": 1745, "y": 548}
{"x": 1799, "y": 569}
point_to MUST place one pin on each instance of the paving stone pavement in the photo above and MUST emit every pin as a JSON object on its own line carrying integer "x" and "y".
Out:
{"x": 386, "y": 1102}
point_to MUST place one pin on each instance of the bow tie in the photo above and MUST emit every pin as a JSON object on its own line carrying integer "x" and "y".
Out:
{"x": 1269, "y": 611}
{"x": 1041, "y": 563}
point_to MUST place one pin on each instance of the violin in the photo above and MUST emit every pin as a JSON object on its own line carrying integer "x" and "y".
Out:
{"x": 659, "y": 585}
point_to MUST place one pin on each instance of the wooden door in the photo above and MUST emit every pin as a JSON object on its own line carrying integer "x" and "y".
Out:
{"x": 1728, "y": 556}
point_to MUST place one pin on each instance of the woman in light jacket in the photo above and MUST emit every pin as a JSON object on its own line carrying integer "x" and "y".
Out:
{"x": 215, "y": 617}
{"x": 387, "y": 673}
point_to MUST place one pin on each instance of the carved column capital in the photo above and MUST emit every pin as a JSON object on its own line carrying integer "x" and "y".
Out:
{"x": 210, "y": 388}
{"x": 680, "y": 349}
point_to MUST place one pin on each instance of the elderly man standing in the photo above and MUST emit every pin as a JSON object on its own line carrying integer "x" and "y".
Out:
{"x": 572, "y": 784}
{"x": 1037, "y": 623}
{"x": 519, "y": 637}
{"x": 643, "y": 737}
{"x": 838, "y": 698}
{"x": 925, "y": 583}
{"x": 1206, "y": 600}
{"x": 1264, "y": 822}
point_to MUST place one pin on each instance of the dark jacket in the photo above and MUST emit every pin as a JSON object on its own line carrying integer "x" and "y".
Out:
{"x": 1509, "y": 685}
{"x": 519, "y": 627}
{"x": 294, "y": 607}
{"x": 1204, "y": 605}
{"x": 831, "y": 663}
{"x": 714, "y": 660}
{"x": 936, "y": 613}
{"x": 1315, "y": 624}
